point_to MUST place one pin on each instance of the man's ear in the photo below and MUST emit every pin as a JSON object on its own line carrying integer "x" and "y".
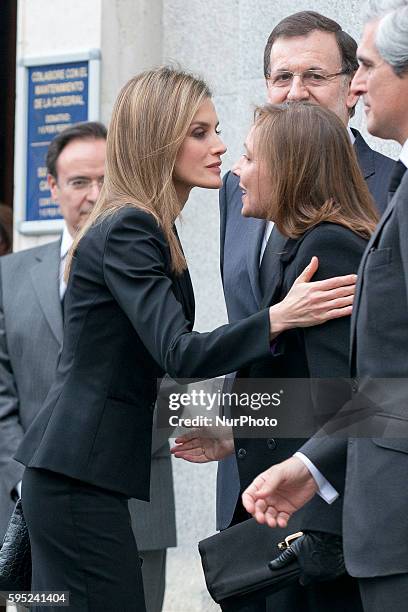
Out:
{"x": 352, "y": 98}
{"x": 53, "y": 185}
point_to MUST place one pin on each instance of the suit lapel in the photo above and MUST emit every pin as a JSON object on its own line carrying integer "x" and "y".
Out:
{"x": 365, "y": 155}
{"x": 256, "y": 231}
{"x": 272, "y": 293}
{"x": 45, "y": 279}
{"x": 289, "y": 249}
{"x": 184, "y": 288}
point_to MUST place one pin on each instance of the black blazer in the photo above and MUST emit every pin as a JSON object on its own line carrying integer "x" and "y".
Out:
{"x": 128, "y": 319}
{"x": 310, "y": 352}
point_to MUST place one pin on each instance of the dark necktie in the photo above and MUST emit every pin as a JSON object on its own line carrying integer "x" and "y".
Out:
{"x": 63, "y": 306}
{"x": 272, "y": 252}
{"x": 396, "y": 177}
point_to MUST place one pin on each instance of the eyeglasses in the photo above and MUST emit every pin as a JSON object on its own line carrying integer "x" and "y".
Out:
{"x": 309, "y": 78}
{"x": 84, "y": 184}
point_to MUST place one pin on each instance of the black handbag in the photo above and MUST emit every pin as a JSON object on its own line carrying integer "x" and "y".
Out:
{"x": 15, "y": 554}
{"x": 235, "y": 561}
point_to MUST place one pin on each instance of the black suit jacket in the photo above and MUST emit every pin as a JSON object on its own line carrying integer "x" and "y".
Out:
{"x": 319, "y": 352}
{"x": 128, "y": 319}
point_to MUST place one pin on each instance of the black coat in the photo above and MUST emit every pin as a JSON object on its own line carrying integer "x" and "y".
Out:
{"x": 128, "y": 319}
{"x": 306, "y": 353}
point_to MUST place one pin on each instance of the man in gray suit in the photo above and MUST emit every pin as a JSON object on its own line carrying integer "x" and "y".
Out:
{"x": 307, "y": 57}
{"x": 31, "y": 332}
{"x": 375, "y": 514}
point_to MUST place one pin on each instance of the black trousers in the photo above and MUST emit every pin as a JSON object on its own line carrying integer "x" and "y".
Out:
{"x": 81, "y": 542}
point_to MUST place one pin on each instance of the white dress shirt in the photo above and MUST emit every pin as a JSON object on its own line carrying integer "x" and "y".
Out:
{"x": 66, "y": 243}
{"x": 268, "y": 230}
{"x": 404, "y": 154}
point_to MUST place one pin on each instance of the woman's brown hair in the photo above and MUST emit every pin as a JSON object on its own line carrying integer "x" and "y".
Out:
{"x": 150, "y": 120}
{"x": 313, "y": 170}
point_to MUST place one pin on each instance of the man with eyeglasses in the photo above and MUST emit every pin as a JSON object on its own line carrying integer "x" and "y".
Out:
{"x": 31, "y": 330}
{"x": 307, "y": 57}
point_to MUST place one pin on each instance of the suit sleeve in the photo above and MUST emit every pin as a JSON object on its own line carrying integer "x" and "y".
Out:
{"x": 11, "y": 432}
{"x": 135, "y": 272}
{"x": 329, "y": 456}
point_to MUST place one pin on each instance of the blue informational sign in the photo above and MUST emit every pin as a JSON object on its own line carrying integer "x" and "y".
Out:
{"x": 57, "y": 98}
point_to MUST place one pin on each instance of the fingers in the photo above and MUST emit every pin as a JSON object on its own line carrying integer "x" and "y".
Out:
{"x": 331, "y": 294}
{"x": 283, "y": 519}
{"x": 332, "y": 309}
{"x": 338, "y": 313}
{"x": 195, "y": 455}
{"x": 339, "y": 303}
{"x": 255, "y": 495}
{"x": 249, "y": 496}
{"x": 187, "y": 445}
{"x": 192, "y": 458}
{"x": 190, "y": 435}
{"x": 267, "y": 482}
{"x": 265, "y": 511}
{"x": 308, "y": 273}
{"x": 335, "y": 282}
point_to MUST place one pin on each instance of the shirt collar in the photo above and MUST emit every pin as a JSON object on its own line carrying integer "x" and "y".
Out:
{"x": 66, "y": 242}
{"x": 351, "y": 135}
{"x": 404, "y": 154}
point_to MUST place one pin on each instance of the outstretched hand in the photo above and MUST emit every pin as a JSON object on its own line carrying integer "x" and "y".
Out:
{"x": 278, "y": 492}
{"x": 203, "y": 445}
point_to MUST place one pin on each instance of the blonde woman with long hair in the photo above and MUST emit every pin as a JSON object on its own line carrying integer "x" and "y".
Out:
{"x": 129, "y": 312}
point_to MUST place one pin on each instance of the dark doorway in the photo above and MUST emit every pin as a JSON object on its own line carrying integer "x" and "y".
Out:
{"x": 8, "y": 29}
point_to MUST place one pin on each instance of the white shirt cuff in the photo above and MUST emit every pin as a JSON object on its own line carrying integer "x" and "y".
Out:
{"x": 18, "y": 488}
{"x": 326, "y": 491}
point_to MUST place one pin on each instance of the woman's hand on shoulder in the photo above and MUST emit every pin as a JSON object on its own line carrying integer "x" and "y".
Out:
{"x": 311, "y": 303}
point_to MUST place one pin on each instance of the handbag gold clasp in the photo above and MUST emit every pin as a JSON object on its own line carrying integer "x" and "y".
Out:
{"x": 289, "y": 540}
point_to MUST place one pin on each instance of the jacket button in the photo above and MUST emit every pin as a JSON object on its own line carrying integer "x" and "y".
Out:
{"x": 241, "y": 453}
{"x": 354, "y": 385}
{"x": 372, "y": 250}
{"x": 271, "y": 444}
